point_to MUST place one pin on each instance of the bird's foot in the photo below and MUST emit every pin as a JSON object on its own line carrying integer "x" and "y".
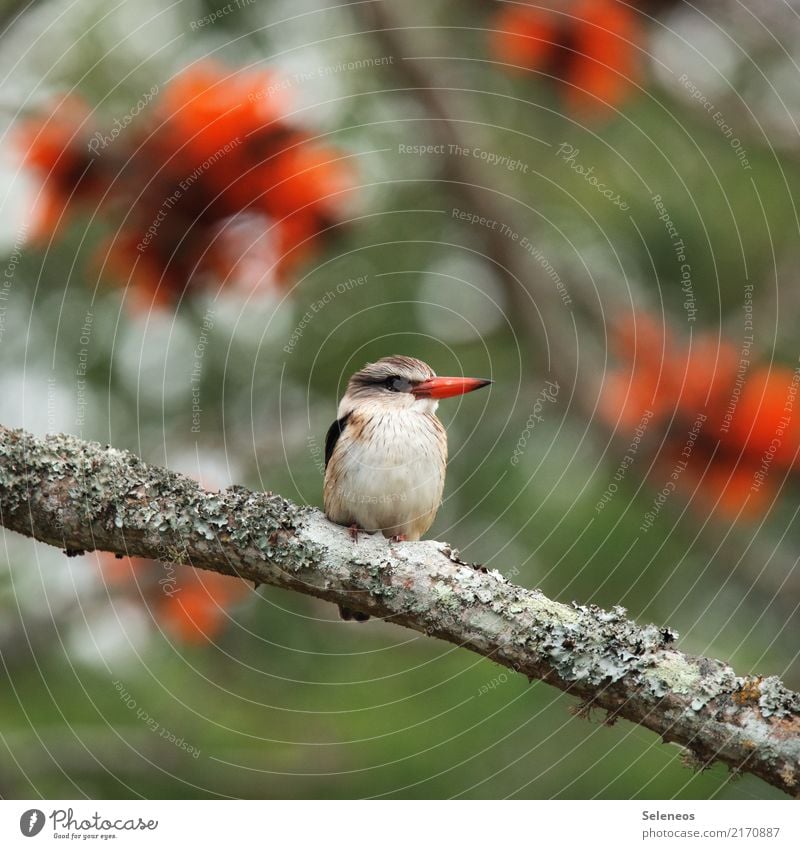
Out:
{"x": 398, "y": 538}
{"x": 354, "y": 529}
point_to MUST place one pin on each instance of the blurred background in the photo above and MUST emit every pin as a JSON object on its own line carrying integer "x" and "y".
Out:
{"x": 215, "y": 213}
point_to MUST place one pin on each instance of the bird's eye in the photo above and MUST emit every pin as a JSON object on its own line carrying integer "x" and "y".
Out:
{"x": 398, "y": 384}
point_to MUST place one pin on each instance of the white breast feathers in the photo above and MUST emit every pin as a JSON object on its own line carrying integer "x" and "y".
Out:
{"x": 386, "y": 472}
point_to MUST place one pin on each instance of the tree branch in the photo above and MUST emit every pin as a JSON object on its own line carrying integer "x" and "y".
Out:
{"x": 82, "y": 496}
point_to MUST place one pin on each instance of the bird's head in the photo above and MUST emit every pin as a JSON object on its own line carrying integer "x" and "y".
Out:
{"x": 403, "y": 383}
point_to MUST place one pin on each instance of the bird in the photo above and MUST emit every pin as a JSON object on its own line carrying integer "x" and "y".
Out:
{"x": 386, "y": 453}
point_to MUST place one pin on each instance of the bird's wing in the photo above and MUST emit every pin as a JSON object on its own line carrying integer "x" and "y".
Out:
{"x": 332, "y": 437}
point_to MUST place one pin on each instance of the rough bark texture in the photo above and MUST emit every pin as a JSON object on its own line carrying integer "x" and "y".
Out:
{"x": 82, "y": 496}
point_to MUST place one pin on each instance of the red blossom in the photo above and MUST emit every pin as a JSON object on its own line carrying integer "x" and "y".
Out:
{"x": 213, "y": 181}
{"x": 55, "y": 147}
{"x": 591, "y": 46}
{"x": 189, "y": 603}
{"x": 721, "y": 426}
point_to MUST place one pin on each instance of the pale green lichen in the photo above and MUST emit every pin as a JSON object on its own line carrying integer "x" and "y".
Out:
{"x": 487, "y": 623}
{"x": 674, "y": 672}
{"x": 109, "y": 490}
{"x": 599, "y": 646}
{"x": 598, "y": 654}
{"x": 445, "y": 597}
{"x": 776, "y": 700}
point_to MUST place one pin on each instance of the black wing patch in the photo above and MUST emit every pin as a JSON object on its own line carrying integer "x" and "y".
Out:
{"x": 332, "y": 437}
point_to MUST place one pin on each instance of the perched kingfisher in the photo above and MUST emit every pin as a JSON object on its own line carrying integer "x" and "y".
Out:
{"x": 386, "y": 453}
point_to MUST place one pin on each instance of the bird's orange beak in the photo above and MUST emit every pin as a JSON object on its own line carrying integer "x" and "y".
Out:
{"x": 448, "y": 387}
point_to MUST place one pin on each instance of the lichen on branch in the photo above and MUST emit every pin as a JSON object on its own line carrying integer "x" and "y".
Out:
{"x": 82, "y": 496}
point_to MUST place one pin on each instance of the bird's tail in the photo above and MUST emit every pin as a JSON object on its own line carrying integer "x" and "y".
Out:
{"x": 348, "y": 614}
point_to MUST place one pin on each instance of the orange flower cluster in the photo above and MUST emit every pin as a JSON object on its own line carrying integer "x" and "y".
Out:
{"x": 212, "y": 181}
{"x": 730, "y": 427}
{"x": 590, "y": 46}
{"x": 56, "y": 147}
{"x": 191, "y": 604}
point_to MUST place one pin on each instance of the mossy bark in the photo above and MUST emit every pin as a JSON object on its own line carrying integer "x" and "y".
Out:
{"x": 82, "y": 496}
